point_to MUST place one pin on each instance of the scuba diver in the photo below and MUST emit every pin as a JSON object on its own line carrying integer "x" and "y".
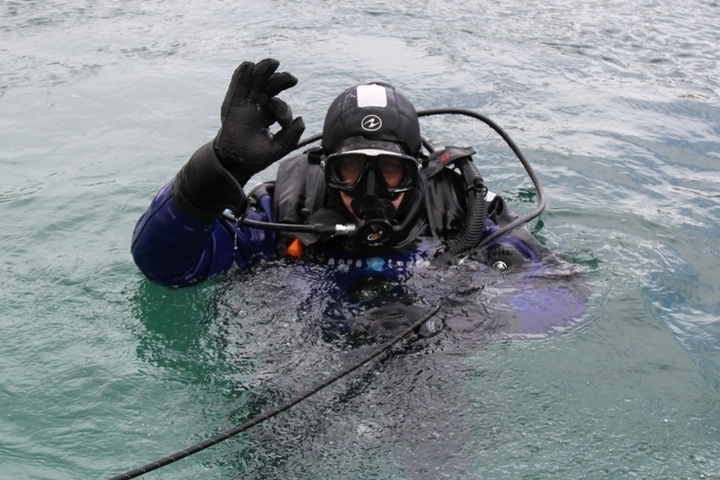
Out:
{"x": 367, "y": 202}
{"x": 369, "y": 179}
{"x": 366, "y": 215}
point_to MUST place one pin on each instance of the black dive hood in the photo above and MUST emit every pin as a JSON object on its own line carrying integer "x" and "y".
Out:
{"x": 377, "y": 231}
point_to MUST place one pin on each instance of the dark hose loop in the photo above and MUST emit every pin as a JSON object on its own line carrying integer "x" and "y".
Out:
{"x": 509, "y": 141}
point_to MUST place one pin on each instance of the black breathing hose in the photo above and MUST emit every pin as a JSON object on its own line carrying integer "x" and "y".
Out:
{"x": 516, "y": 150}
{"x": 474, "y": 226}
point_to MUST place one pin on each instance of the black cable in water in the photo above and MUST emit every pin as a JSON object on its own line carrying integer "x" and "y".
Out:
{"x": 374, "y": 352}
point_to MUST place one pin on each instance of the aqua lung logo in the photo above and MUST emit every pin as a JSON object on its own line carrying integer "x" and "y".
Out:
{"x": 371, "y": 123}
{"x": 374, "y": 236}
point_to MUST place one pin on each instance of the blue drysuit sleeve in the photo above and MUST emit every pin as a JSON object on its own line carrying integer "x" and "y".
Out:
{"x": 173, "y": 249}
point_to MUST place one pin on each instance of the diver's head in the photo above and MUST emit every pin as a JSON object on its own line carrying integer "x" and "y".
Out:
{"x": 376, "y": 112}
{"x": 371, "y": 144}
{"x": 371, "y": 128}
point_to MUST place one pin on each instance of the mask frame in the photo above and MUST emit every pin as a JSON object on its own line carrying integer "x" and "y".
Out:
{"x": 359, "y": 163}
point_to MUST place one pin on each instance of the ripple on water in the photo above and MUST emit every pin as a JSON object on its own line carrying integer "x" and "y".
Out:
{"x": 614, "y": 103}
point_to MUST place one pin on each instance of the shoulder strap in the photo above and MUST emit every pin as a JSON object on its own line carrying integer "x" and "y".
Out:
{"x": 299, "y": 190}
{"x": 444, "y": 201}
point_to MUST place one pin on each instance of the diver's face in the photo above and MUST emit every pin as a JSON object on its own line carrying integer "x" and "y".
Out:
{"x": 352, "y": 167}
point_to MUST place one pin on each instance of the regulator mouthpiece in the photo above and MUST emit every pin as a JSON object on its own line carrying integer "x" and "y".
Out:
{"x": 375, "y": 232}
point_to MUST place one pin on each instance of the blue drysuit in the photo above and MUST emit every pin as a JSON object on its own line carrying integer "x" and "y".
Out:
{"x": 173, "y": 249}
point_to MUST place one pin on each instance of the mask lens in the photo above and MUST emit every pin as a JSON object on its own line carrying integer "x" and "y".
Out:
{"x": 396, "y": 173}
{"x": 350, "y": 169}
{"x": 392, "y": 170}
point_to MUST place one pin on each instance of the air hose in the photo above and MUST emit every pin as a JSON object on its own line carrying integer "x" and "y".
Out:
{"x": 541, "y": 201}
{"x": 474, "y": 226}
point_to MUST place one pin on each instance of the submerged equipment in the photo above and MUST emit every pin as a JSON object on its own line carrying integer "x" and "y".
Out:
{"x": 370, "y": 355}
{"x": 377, "y": 219}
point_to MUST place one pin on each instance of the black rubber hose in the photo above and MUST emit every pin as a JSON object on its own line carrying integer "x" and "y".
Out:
{"x": 283, "y": 227}
{"x": 474, "y": 225}
{"x": 541, "y": 201}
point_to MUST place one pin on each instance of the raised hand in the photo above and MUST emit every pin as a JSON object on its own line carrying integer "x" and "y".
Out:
{"x": 245, "y": 145}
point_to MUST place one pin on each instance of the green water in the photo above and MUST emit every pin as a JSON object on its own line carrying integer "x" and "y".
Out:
{"x": 617, "y": 106}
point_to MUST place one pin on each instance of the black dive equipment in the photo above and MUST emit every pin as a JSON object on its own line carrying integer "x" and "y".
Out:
{"x": 541, "y": 201}
{"x": 348, "y": 171}
{"x": 474, "y": 225}
{"x": 376, "y": 229}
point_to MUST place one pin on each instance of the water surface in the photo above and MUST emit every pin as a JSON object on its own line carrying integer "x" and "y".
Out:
{"x": 617, "y": 106}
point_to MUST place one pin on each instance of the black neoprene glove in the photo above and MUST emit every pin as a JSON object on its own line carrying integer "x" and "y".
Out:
{"x": 244, "y": 144}
{"x": 212, "y": 179}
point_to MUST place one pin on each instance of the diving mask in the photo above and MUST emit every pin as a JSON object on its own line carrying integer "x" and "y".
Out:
{"x": 392, "y": 173}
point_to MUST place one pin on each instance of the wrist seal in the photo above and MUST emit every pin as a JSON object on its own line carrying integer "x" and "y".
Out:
{"x": 204, "y": 188}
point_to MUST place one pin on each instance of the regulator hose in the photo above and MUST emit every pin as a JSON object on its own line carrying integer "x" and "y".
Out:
{"x": 541, "y": 201}
{"x": 474, "y": 226}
